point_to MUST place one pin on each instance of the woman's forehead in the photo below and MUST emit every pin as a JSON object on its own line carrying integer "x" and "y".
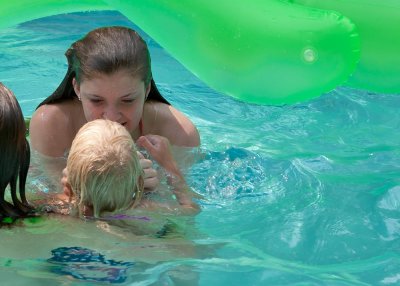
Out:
{"x": 119, "y": 81}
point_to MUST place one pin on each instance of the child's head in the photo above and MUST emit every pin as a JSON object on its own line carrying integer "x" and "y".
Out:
{"x": 104, "y": 171}
{"x": 14, "y": 155}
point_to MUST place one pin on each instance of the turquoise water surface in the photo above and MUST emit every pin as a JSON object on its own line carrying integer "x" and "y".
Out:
{"x": 305, "y": 194}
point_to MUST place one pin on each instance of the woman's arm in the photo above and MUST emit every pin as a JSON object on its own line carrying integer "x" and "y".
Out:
{"x": 159, "y": 148}
{"x": 50, "y": 131}
{"x": 50, "y": 138}
{"x": 167, "y": 121}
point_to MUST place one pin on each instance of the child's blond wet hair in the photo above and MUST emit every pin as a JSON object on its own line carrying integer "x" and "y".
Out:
{"x": 104, "y": 169}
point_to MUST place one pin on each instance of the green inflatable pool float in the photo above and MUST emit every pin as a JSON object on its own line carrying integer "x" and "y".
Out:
{"x": 259, "y": 51}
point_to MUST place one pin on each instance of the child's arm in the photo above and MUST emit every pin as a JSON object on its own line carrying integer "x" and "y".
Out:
{"x": 159, "y": 148}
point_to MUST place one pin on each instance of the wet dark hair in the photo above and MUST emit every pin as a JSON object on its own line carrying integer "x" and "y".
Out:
{"x": 14, "y": 157}
{"x": 105, "y": 51}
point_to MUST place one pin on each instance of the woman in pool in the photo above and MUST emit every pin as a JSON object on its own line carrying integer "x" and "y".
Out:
{"x": 109, "y": 76}
{"x": 105, "y": 176}
{"x": 14, "y": 157}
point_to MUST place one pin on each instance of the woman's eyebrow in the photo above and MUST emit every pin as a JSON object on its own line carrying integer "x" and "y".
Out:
{"x": 130, "y": 94}
{"x": 91, "y": 94}
{"x": 123, "y": 96}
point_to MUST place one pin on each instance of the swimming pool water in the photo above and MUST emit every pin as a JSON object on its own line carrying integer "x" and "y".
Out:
{"x": 305, "y": 194}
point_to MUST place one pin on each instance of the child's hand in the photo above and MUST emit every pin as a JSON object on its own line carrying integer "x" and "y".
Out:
{"x": 150, "y": 175}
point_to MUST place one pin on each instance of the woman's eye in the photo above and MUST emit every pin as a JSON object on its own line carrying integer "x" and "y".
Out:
{"x": 95, "y": 100}
{"x": 128, "y": 100}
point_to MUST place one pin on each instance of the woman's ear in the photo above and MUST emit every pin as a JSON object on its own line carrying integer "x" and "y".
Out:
{"x": 76, "y": 88}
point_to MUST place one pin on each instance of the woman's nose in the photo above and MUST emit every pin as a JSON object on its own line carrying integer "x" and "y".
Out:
{"x": 112, "y": 113}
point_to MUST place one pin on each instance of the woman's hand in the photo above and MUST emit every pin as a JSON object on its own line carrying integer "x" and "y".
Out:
{"x": 160, "y": 149}
{"x": 151, "y": 180}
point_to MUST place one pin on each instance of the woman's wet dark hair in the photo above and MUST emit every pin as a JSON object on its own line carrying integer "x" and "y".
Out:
{"x": 14, "y": 158}
{"x": 105, "y": 51}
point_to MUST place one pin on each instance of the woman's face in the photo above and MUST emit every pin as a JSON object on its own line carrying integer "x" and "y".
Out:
{"x": 118, "y": 97}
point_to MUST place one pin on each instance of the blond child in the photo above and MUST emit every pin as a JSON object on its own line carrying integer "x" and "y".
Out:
{"x": 105, "y": 175}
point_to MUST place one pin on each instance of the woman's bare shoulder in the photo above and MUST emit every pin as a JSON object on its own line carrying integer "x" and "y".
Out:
{"x": 52, "y": 129}
{"x": 167, "y": 121}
